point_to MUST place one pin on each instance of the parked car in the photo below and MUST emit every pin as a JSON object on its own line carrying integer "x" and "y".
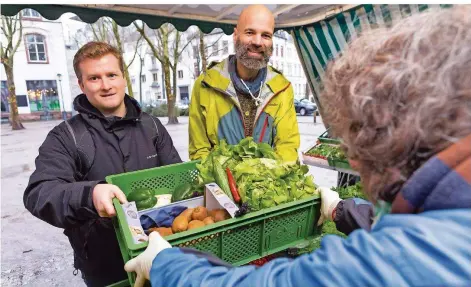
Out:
{"x": 304, "y": 107}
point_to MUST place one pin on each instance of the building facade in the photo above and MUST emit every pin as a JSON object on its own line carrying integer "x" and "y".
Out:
{"x": 46, "y": 83}
{"x": 40, "y": 69}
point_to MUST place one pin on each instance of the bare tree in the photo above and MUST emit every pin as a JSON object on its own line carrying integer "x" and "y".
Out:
{"x": 120, "y": 46}
{"x": 202, "y": 48}
{"x": 11, "y": 28}
{"x": 101, "y": 30}
{"x": 167, "y": 49}
{"x": 181, "y": 43}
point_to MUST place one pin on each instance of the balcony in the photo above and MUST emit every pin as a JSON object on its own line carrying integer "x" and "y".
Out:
{"x": 154, "y": 68}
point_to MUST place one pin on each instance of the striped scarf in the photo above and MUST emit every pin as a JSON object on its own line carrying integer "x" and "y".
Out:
{"x": 443, "y": 182}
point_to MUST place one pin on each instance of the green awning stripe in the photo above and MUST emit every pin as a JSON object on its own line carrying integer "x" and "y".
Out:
{"x": 386, "y": 15}
{"x": 324, "y": 45}
{"x": 343, "y": 26}
{"x": 313, "y": 48}
{"x": 339, "y": 38}
{"x": 405, "y": 10}
{"x": 331, "y": 37}
{"x": 364, "y": 21}
{"x": 306, "y": 54}
{"x": 379, "y": 15}
{"x": 370, "y": 14}
{"x": 355, "y": 17}
{"x": 323, "y": 50}
{"x": 350, "y": 26}
{"x": 423, "y": 7}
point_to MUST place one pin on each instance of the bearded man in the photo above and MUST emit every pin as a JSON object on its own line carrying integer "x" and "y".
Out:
{"x": 243, "y": 97}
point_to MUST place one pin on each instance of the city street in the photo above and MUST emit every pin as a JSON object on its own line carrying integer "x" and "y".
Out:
{"x": 35, "y": 253}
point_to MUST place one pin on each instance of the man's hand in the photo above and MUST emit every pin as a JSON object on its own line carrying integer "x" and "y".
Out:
{"x": 143, "y": 263}
{"x": 329, "y": 201}
{"x": 103, "y": 195}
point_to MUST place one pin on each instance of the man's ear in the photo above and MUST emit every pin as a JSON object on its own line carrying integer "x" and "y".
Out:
{"x": 235, "y": 35}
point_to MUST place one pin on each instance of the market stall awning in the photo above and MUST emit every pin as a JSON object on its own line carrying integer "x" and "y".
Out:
{"x": 206, "y": 17}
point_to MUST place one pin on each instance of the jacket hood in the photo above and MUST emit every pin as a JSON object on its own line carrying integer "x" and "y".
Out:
{"x": 82, "y": 105}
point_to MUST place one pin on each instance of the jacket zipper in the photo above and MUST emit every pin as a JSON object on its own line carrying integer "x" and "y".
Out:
{"x": 262, "y": 134}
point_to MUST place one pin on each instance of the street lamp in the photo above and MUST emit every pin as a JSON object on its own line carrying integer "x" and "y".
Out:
{"x": 64, "y": 113}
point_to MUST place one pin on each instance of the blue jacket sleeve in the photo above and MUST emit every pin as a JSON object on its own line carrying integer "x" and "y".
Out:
{"x": 337, "y": 263}
{"x": 401, "y": 250}
{"x": 352, "y": 214}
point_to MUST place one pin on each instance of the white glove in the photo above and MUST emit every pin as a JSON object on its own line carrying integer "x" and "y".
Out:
{"x": 143, "y": 262}
{"x": 329, "y": 201}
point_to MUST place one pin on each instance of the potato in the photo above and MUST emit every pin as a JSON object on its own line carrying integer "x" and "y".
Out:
{"x": 187, "y": 213}
{"x": 180, "y": 224}
{"x": 199, "y": 213}
{"x": 195, "y": 224}
{"x": 219, "y": 214}
{"x": 163, "y": 231}
{"x": 208, "y": 220}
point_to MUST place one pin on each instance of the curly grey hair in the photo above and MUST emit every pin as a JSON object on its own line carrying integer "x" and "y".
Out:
{"x": 398, "y": 96}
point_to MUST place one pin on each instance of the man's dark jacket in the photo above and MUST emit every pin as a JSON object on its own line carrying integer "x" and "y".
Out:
{"x": 57, "y": 195}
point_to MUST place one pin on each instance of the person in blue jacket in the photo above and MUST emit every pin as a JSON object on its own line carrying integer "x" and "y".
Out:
{"x": 399, "y": 99}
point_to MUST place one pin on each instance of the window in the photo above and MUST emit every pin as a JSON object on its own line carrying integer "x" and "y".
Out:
{"x": 288, "y": 73}
{"x": 30, "y": 13}
{"x": 184, "y": 94}
{"x": 5, "y": 104}
{"x": 133, "y": 80}
{"x": 36, "y": 48}
{"x": 143, "y": 78}
{"x": 154, "y": 77}
{"x": 225, "y": 45}
{"x": 215, "y": 47}
{"x": 281, "y": 51}
{"x": 180, "y": 74}
{"x": 276, "y": 50}
{"x": 43, "y": 95}
{"x": 195, "y": 52}
{"x": 152, "y": 59}
{"x": 197, "y": 69}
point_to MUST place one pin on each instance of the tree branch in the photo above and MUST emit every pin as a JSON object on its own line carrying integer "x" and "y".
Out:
{"x": 149, "y": 42}
{"x": 19, "y": 37}
{"x": 94, "y": 33}
{"x": 135, "y": 51}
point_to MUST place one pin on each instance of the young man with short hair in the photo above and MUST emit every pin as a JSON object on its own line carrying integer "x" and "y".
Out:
{"x": 110, "y": 135}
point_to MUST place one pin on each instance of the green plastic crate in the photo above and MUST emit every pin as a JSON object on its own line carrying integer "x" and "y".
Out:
{"x": 335, "y": 162}
{"x": 236, "y": 240}
{"x": 325, "y": 138}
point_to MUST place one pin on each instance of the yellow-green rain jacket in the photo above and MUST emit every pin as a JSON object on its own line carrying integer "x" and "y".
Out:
{"x": 215, "y": 114}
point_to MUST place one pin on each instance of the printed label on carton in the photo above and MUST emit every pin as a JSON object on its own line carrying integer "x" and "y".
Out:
{"x": 134, "y": 223}
{"x": 216, "y": 198}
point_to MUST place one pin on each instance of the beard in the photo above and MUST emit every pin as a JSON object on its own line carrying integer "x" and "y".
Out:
{"x": 242, "y": 55}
